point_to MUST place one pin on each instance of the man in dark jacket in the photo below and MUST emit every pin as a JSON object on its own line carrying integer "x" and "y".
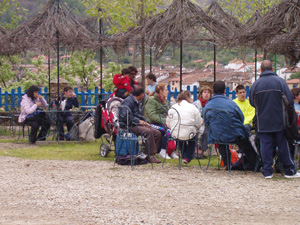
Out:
{"x": 270, "y": 95}
{"x": 138, "y": 123}
{"x": 227, "y": 127}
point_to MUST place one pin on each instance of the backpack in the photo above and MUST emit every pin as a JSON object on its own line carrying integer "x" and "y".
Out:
{"x": 291, "y": 129}
{"x": 98, "y": 131}
{"x": 74, "y": 133}
{"x": 123, "y": 146}
{"x": 125, "y": 160}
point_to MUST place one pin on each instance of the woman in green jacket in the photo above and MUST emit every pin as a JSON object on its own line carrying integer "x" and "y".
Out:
{"x": 156, "y": 110}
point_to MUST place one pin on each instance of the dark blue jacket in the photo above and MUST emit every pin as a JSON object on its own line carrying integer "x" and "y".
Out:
{"x": 136, "y": 109}
{"x": 69, "y": 105}
{"x": 232, "y": 125}
{"x": 267, "y": 95}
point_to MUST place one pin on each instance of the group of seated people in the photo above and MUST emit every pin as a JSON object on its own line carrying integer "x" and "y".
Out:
{"x": 191, "y": 121}
{"x": 242, "y": 116}
{"x": 33, "y": 114}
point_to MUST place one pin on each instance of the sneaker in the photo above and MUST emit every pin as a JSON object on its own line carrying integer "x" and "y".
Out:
{"x": 163, "y": 154}
{"x": 269, "y": 177}
{"x": 296, "y": 175}
{"x": 174, "y": 156}
{"x": 186, "y": 161}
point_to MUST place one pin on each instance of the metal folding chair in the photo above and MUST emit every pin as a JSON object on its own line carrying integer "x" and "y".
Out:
{"x": 124, "y": 132}
{"x": 173, "y": 114}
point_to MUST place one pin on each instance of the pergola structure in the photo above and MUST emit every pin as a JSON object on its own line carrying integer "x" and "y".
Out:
{"x": 56, "y": 26}
{"x": 183, "y": 21}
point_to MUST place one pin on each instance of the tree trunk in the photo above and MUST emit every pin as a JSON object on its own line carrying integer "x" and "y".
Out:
{"x": 134, "y": 55}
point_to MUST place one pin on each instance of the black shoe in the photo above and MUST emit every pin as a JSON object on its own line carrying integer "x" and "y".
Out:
{"x": 200, "y": 156}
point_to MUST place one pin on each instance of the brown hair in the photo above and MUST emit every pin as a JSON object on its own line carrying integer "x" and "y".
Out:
{"x": 158, "y": 88}
{"x": 184, "y": 95}
{"x": 67, "y": 88}
{"x": 203, "y": 89}
{"x": 133, "y": 69}
{"x": 295, "y": 92}
{"x": 151, "y": 76}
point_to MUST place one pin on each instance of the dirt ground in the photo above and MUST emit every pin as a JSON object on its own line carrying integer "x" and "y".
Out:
{"x": 86, "y": 192}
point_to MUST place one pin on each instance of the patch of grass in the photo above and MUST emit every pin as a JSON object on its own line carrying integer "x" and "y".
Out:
{"x": 78, "y": 151}
{"x": 60, "y": 151}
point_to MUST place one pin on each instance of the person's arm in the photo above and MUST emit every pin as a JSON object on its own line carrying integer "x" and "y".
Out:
{"x": 251, "y": 95}
{"x": 26, "y": 106}
{"x": 117, "y": 80}
{"x": 42, "y": 100}
{"x": 153, "y": 112}
{"x": 75, "y": 101}
{"x": 126, "y": 84}
{"x": 250, "y": 113}
{"x": 198, "y": 119}
{"x": 288, "y": 93}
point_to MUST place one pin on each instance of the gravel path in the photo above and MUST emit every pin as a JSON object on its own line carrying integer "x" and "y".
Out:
{"x": 84, "y": 192}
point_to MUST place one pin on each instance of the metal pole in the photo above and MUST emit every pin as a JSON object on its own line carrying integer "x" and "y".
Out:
{"x": 255, "y": 63}
{"x": 57, "y": 36}
{"x": 150, "y": 59}
{"x": 275, "y": 66}
{"x": 101, "y": 55}
{"x": 180, "y": 65}
{"x": 215, "y": 62}
{"x": 49, "y": 78}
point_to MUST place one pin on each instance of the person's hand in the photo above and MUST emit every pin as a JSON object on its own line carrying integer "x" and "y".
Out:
{"x": 147, "y": 92}
{"x": 127, "y": 93}
{"x": 144, "y": 123}
{"x": 74, "y": 95}
{"x": 39, "y": 96}
{"x": 39, "y": 104}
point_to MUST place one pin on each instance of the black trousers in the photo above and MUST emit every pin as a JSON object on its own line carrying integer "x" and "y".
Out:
{"x": 243, "y": 144}
{"x": 35, "y": 122}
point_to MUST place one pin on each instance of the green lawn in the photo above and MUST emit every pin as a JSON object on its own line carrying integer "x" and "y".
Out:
{"x": 74, "y": 151}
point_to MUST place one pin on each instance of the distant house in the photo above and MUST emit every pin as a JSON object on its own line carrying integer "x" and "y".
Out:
{"x": 44, "y": 58}
{"x": 293, "y": 83}
{"x": 288, "y": 72}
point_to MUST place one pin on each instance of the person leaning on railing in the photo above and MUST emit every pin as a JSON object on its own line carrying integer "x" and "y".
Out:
{"x": 33, "y": 115}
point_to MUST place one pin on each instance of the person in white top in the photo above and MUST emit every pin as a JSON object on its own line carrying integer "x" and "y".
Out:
{"x": 185, "y": 121}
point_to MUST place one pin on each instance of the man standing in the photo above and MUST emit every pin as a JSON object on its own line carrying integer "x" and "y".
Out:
{"x": 243, "y": 103}
{"x": 139, "y": 124}
{"x": 270, "y": 95}
{"x": 216, "y": 121}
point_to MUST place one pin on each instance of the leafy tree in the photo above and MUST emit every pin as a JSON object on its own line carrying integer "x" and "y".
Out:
{"x": 244, "y": 9}
{"x": 113, "y": 68}
{"x": 295, "y": 76}
{"x": 7, "y": 72}
{"x": 82, "y": 67}
{"x": 123, "y": 14}
{"x": 11, "y": 13}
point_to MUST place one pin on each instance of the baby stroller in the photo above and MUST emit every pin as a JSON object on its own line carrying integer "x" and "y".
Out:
{"x": 109, "y": 123}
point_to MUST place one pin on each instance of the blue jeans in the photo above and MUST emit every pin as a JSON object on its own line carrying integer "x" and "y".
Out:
{"x": 266, "y": 143}
{"x": 68, "y": 120}
{"x": 188, "y": 148}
